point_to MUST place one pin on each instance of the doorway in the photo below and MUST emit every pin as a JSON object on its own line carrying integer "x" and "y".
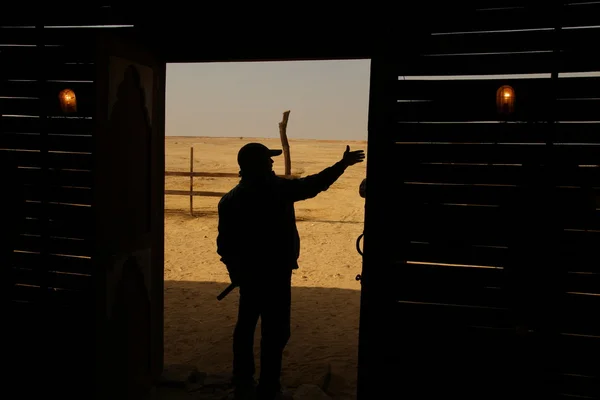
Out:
{"x": 211, "y": 111}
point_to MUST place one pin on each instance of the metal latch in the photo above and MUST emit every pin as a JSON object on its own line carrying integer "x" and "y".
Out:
{"x": 358, "y": 243}
{"x": 358, "y": 277}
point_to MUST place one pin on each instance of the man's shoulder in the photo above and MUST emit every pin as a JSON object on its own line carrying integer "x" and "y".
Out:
{"x": 229, "y": 196}
{"x": 278, "y": 180}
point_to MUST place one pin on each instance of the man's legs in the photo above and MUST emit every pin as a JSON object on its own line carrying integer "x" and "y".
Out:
{"x": 243, "y": 335}
{"x": 275, "y": 333}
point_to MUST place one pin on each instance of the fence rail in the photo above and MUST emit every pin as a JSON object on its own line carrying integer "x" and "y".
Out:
{"x": 194, "y": 193}
{"x": 203, "y": 174}
{"x": 191, "y": 174}
{"x": 191, "y": 192}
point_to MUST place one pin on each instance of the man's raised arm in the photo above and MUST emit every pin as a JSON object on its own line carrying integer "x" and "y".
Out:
{"x": 309, "y": 186}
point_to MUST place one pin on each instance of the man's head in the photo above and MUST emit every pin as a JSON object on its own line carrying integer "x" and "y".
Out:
{"x": 255, "y": 159}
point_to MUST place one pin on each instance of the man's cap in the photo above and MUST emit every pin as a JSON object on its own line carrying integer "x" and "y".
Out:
{"x": 253, "y": 153}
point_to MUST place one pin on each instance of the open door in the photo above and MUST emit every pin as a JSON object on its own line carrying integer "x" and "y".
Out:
{"x": 129, "y": 191}
{"x": 481, "y": 230}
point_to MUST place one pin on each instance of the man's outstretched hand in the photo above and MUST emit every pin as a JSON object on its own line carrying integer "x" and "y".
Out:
{"x": 353, "y": 157}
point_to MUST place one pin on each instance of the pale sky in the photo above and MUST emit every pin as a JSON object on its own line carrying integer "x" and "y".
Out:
{"x": 328, "y": 99}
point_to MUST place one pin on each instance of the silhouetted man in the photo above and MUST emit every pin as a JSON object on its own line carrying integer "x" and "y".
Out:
{"x": 259, "y": 243}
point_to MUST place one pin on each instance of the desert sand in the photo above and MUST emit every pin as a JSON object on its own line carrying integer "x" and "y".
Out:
{"x": 325, "y": 294}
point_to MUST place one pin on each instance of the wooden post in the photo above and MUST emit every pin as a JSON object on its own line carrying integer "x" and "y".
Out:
{"x": 284, "y": 142}
{"x": 192, "y": 181}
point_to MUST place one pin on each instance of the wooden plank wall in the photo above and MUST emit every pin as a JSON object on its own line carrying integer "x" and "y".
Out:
{"x": 50, "y": 277}
{"x": 492, "y": 264}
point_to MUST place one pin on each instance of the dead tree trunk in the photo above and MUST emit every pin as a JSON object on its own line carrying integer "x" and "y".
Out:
{"x": 284, "y": 142}
{"x": 192, "y": 181}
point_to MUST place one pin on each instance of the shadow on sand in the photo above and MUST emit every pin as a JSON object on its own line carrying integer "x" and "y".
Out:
{"x": 198, "y": 331}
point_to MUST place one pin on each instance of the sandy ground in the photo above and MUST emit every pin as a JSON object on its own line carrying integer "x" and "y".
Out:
{"x": 325, "y": 294}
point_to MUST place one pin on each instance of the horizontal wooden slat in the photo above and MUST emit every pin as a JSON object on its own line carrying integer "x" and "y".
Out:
{"x": 578, "y": 87}
{"x": 579, "y": 315}
{"x": 459, "y": 194}
{"x": 502, "y": 53}
{"x": 84, "y": 91}
{"x": 487, "y": 17}
{"x": 57, "y": 228}
{"x": 203, "y": 174}
{"x": 472, "y": 109}
{"x": 20, "y": 141}
{"x": 22, "y": 62}
{"x": 477, "y": 225}
{"x": 478, "y": 108}
{"x": 65, "y": 246}
{"x": 464, "y": 89}
{"x": 470, "y": 361}
{"x": 582, "y": 282}
{"x": 67, "y": 160}
{"x": 490, "y": 42}
{"x": 578, "y": 61}
{"x": 72, "y": 14}
{"x": 464, "y": 225}
{"x": 19, "y": 36}
{"x": 411, "y": 153}
{"x": 59, "y": 212}
{"x": 56, "y": 177}
{"x": 492, "y": 174}
{"x": 580, "y": 13}
{"x": 82, "y": 51}
{"x": 217, "y": 174}
{"x": 56, "y": 36}
{"x": 497, "y": 64}
{"x": 69, "y": 143}
{"x": 450, "y": 285}
{"x": 578, "y": 110}
{"x": 56, "y": 125}
{"x": 508, "y": 41}
{"x": 63, "y": 72}
{"x": 20, "y": 106}
{"x": 578, "y": 253}
{"x": 491, "y": 153}
{"x": 24, "y": 158}
{"x": 54, "y": 159}
{"x": 576, "y": 386}
{"x": 464, "y": 174}
{"x": 491, "y": 64}
{"x": 584, "y": 219}
{"x": 566, "y": 197}
{"x": 574, "y": 253}
{"x": 51, "y": 106}
{"x": 194, "y": 193}
{"x": 476, "y": 89}
{"x": 427, "y": 316}
{"x": 499, "y": 132}
{"x": 51, "y": 297}
{"x": 78, "y": 265}
{"x": 59, "y": 194}
{"x": 52, "y": 279}
{"x": 577, "y": 355}
{"x": 452, "y": 253}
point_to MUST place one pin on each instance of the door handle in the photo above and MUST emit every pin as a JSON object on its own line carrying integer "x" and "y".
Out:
{"x": 358, "y": 243}
{"x": 359, "y": 277}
